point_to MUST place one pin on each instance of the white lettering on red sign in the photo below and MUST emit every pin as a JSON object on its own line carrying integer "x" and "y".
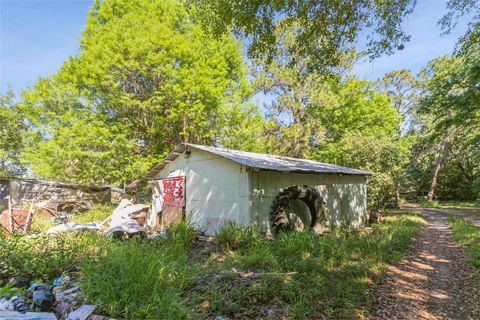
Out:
{"x": 173, "y": 191}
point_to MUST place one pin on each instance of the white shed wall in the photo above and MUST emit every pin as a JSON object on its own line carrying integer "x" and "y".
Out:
{"x": 213, "y": 189}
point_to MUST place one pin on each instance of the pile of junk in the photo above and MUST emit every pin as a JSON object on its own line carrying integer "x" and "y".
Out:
{"x": 61, "y": 299}
{"x": 127, "y": 220}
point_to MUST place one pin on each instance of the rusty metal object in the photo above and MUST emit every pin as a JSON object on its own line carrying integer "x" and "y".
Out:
{"x": 14, "y": 220}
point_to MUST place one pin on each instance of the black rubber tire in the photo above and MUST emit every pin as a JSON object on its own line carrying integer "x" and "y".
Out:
{"x": 279, "y": 214}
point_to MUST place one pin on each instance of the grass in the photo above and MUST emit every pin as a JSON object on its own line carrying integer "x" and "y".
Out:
{"x": 140, "y": 278}
{"x": 305, "y": 275}
{"x": 467, "y": 235}
{"x": 297, "y": 275}
{"x": 97, "y": 213}
{"x": 41, "y": 258}
{"x": 451, "y": 204}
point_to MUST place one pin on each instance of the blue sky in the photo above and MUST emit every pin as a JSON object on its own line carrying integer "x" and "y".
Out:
{"x": 36, "y": 36}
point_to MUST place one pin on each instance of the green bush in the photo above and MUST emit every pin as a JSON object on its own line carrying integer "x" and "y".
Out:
{"x": 139, "y": 279}
{"x": 42, "y": 258}
{"x": 468, "y": 235}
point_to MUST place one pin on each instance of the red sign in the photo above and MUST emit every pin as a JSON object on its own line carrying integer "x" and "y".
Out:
{"x": 173, "y": 191}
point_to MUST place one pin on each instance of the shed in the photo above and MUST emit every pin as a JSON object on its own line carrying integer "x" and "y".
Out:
{"x": 50, "y": 194}
{"x": 213, "y": 186}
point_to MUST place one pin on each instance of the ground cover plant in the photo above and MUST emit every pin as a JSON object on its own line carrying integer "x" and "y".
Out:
{"x": 451, "y": 204}
{"x": 468, "y": 235}
{"x": 241, "y": 275}
{"x": 299, "y": 275}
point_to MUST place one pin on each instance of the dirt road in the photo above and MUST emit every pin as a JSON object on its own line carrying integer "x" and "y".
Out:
{"x": 434, "y": 281}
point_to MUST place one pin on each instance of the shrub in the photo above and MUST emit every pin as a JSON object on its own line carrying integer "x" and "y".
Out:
{"x": 468, "y": 235}
{"x": 139, "y": 279}
{"x": 43, "y": 258}
{"x": 230, "y": 236}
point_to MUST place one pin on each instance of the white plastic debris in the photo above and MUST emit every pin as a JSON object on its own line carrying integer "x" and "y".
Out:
{"x": 12, "y": 315}
{"x": 70, "y": 226}
{"x": 122, "y": 214}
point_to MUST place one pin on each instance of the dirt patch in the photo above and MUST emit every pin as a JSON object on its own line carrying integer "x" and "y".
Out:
{"x": 434, "y": 281}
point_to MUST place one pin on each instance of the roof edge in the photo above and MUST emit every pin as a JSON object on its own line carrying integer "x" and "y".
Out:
{"x": 182, "y": 147}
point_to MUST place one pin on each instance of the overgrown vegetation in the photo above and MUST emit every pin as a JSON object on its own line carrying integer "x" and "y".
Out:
{"x": 96, "y": 213}
{"x": 468, "y": 235}
{"x": 141, "y": 279}
{"x": 39, "y": 257}
{"x": 451, "y": 204}
{"x": 304, "y": 275}
{"x": 297, "y": 274}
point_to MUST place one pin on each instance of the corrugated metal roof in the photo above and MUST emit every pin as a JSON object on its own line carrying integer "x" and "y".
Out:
{"x": 262, "y": 161}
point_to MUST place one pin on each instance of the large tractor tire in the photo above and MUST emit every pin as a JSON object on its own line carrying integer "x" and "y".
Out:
{"x": 283, "y": 217}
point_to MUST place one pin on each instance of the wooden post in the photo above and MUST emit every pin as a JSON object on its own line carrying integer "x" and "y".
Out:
{"x": 28, "y": 222}
{"x": 10, "y": 214}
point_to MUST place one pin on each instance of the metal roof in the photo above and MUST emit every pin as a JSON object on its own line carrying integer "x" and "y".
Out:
{"x": 261, "y": 161}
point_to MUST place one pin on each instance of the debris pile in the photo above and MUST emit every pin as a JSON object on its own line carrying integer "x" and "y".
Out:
{"x": 126, "y": 221}
{"x": 60, "y": 300}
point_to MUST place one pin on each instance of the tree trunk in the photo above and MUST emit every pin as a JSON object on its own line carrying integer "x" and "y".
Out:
{"x": 438, "y": 165}
{"x": 397, "y": 193}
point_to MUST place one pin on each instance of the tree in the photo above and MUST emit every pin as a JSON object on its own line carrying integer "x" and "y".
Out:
{"x": 327, "y": 29}
{"x": 292, "y": 128}
{"x": 404, "y": 91}
{"x": 384, "y": 155}
{"x": 145, "y": 79}
{"x": 358, "y": 108}
{"x": 458, "y": 9}
{"x": 12, "y": 137}
{"x": 361, "y": 131}
{"x": 450, "y": 106}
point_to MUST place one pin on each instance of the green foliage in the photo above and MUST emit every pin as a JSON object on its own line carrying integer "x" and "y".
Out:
{"x": 450, "y": 204}
{"x": 325, "y": 29}
{"x": 183, "y": 232}
{"x": 383, "y": 155}
{"x": 461, "y": 10}
{"x": 449, "y": 111}
{"x": 468, "y": 235}
{"x": 361, "y": 132}
{"x": 142, "y": 278}
{"x": 138, "y": 279}
{"x": 230, "y": 236}
{"x": 359, "y": 108}
{"x": 43, "y": 258}
{"x": 146, "y": 77}
{"x": 8, "y": 291}
{"x": 42, "y": 224}
{"x": 12, "y": 136}
{"x": 96, "y": 213}
{"x": 403, "y": 89}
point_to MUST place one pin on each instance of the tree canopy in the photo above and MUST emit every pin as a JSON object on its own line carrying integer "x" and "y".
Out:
{"x": 326, "y": 29}
{"x": 145, "y": 79}
{"x": 12, "y": 137}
